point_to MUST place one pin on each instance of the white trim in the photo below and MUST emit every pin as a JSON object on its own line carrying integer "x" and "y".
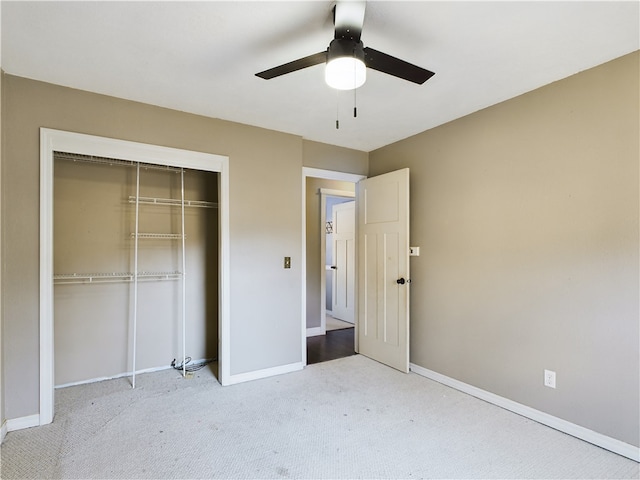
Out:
{"x": 3, "y": 431}
{"x": 267, "y": 372}
{"x": 21, "y": 423}
{"x": 616, "y": 446}
{"x": 327, "y": 175}
{"x": 303, "y": 270}
{"x": 316, "y": 331}
{"x": 224, "y": 262}
{"x": 47, "y": 146}
{"x": 52, "y": 140}
{"x": 332, "y": 175}
{"x": 330, "y": 192}
{"x": 126, "y": 150}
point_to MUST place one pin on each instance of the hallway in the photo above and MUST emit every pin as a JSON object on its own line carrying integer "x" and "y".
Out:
{"x": 338, "y": 342}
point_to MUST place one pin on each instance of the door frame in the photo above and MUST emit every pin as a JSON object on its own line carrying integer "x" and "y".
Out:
{"x": 58, "y": 140}
{"x": 326, "y": 175}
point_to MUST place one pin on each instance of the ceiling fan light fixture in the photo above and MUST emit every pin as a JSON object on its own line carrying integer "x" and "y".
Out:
{"x": 345, "y": 69}
{"x": 345, "y": 73}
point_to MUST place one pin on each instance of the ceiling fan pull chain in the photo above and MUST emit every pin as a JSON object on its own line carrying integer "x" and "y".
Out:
{"x": 337, "y": 109}
{"x": 355, "y": 104}
{"x": 355, "y": 99}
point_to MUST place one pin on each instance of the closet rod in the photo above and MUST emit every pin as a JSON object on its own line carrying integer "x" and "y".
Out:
{"x": 173, "y": 202}
{"x": 157, "y": 236}
{"x": 94, "y": 278}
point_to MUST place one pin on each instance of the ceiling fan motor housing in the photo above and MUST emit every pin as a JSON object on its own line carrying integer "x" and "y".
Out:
{"x": 345, "y": 47}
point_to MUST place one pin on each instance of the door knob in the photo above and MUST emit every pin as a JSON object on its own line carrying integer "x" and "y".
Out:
{"x": 400, "y": 281}
{"x": 333, "y": 267}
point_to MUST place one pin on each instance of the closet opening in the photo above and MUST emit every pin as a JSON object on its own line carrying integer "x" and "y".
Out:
{"x": 135, "y": 254}
{"x": 141, "y": 154}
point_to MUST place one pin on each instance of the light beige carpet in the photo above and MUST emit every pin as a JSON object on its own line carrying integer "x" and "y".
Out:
{"x": 348, "y": 418}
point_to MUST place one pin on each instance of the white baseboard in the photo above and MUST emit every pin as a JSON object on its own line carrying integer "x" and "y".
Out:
{"x": 22, "y": 422}
{"x": 3, "y": 431}
{"x": 267, "y": 372}
{"x": 124, "y": 374}
{"x": 616, "y": 446}
{"x": 315, "y": 331}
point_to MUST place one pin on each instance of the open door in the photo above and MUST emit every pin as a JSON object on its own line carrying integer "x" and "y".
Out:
{"x": 344, "y": 232}
{"x": 383, "y": 268}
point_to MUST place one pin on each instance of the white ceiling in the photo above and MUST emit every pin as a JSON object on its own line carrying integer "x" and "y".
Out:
{"x": 201, "y": 57}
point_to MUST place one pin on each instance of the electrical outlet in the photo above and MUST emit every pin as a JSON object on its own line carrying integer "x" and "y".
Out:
{"x": 414, "y": 251}
{"x": 549, "y": 379}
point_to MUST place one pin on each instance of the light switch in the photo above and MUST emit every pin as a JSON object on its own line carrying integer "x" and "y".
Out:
{"x": 287, "y": 262}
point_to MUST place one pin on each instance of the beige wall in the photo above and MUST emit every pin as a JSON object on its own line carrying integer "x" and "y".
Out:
{"x": 527, "y": 218}
{"x": 265, "y": 220}
{"x": 315, "y": 271}
{"x": 339, "y": 159}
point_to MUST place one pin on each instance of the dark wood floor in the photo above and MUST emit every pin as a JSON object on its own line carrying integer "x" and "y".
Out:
{"x": 335, "y": 344}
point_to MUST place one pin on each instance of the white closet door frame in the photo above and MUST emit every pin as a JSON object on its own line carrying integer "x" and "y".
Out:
{"x": 57, "y": 140}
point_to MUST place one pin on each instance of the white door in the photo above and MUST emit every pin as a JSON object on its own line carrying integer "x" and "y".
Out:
{"x": 383, "y": 268}
{"x": 344, "y": 264}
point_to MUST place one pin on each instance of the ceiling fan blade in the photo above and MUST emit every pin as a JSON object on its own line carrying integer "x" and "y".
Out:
{"x": 396, "y": 67}
{"x": 310, "y": 61}
{"x": 348, "y": 19}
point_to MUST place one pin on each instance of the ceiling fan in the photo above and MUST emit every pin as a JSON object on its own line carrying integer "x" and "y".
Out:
{"x": 347, "y": 59}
